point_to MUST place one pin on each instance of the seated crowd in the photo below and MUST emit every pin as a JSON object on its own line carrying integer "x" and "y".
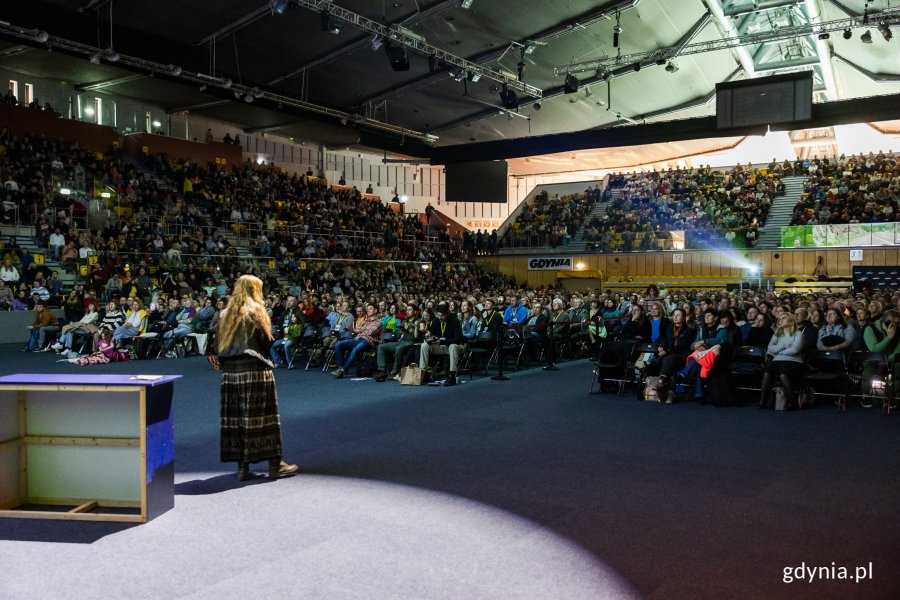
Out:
{"x": 696, "y": 335}
{"x": 550, "y": 221}
{"x": 709, "y": 205}
{"x": 855, "y": 189}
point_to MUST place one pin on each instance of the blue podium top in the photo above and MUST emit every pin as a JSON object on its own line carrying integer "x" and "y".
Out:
{"x": 85, "y": 379}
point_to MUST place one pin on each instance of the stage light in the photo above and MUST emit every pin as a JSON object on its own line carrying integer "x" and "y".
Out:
{"x": 41, "y": 36}
{"x": 248, "y": 98}
{"x": 637, "y": 67}
{"x": 885, "y": 31}
{"x": 397, "y": 57}
{"x": 616, "y": 31}
{"x": 105, "y": 195}
{"x": 226, "y": 83}
{"x": 89, "y": 111}
{"x": 671, "y": 67}
{"x": 848, "y": 33}
{"x": 95, "y": 58}
{"x": 866, "y": 38}
{"x": 753, "y": 270}
{"x": 457, "y": 74}
{"x": 571, "y": 85}
{"x": 65, "y": 191}
{"x": 403, "y": 199}
{"x": 508, "y": 98}
{"x": 466, "y": 4}
{"x": 278, "y": 6}
{"x": 529, "y": 48}
{"x": 175, "y": 70}
{"x": 824, "y": 35}
{"x": 156, "y": 124}
{"x": 473, "y": 77}
{"x": 432, "y": 63}
{"x": 327, "y": 25}
{"x": 536, "y": 106}
{"x": 112, "y": 56}
{"x": 376, "y": 43}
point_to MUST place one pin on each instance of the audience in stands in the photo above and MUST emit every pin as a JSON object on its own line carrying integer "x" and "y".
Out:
{"x": 855, "y": 189}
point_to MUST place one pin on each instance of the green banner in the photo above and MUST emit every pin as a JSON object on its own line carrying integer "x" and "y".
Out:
{"x": 829, "y": 236}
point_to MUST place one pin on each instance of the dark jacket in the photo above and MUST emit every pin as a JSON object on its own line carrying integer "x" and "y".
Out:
{"x": 448, "y": 332}
{"x": 759, "y": 337}
{"x": 636, "y": 329}
{"x": 684, "y": 339}
{"x": 492, "y": 322}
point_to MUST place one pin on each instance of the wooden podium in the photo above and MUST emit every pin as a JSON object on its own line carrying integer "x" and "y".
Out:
{"x": 86, "y": 447}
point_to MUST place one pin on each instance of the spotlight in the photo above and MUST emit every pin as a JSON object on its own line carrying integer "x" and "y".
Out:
{"x": 278, "y": 6}
{"x": 637, "y": 67}
{"x": 753, "y": 269}
{"x": 866, "y": 38}
{"x": 494, "y": 88}
{"x": 616, "y": 31}
{"x": 536, "y": 106}
{"x": 41, "y": 36}
{"x": 671, "y": 67}
{"x": 95, "y": 58}
{"x": 571, "y": 85}
{"x": 397, "y": 57}
{"x": 89, "y": 111}
{"x": 248, "y": 98}
{"x": 113, "y": 56}
{"x": 226, "y": 83}
{"x": 508, "y": 98}
{"x": 432, "y": 63}
{"x": 65, "y": 191}
{"x": 473, "y": 77}
{"x": 174, "y": 70}
{"x": 885, "y": 31}
{"x": 529, "y": 48}
{"x": 848, "y": 33}
{"x": 824, "y": 35}
{"x": 403, "y": 199}
{"x": 327, "y": 25}
{"x": 376, "y": 43}
{"x": 238, "y": 95}
{"x": 257, "y": 93}
{"x": 457, "y": 74}
{"x": 660, "y": 61}
{"x": 466, "y": 4}
{"x": 156, "y": 124}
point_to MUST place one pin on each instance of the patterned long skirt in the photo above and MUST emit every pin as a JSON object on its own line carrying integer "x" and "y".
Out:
{"x": 250, "y": 424}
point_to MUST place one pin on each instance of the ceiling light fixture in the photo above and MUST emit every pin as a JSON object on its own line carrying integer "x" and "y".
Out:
{"x": 866, "y": 38}
{"x": 671, "y": 67}
{"x": 466, "y": 4}
{"x": 848, "y": 33}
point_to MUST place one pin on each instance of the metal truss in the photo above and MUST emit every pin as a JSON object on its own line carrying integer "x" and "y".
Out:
{"x": 603, "y": 65}
{"x": 414, "y": 42}
{"x": 241, "y": 92}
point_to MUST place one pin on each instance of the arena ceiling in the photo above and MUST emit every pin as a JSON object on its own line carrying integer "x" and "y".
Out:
{"x": 292, "y": 55}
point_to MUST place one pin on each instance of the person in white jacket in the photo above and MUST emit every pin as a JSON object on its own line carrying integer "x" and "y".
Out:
{"x": 87, "y": 324}
{"x": 787, "y": 355}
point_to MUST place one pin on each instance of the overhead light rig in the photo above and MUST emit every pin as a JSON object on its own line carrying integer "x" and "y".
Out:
{"x": 883, "y": 19}
{"x": 404, "y": 37}
{"x": 241, "y": 91}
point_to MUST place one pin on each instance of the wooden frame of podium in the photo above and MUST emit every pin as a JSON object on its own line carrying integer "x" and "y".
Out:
{"x": 86, "y": 447}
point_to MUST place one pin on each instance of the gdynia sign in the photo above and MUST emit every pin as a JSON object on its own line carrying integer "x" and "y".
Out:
{"x": 550, "y": 263}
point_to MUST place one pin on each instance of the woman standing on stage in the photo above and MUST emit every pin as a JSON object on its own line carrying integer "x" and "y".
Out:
{"x": 250, "y": 424}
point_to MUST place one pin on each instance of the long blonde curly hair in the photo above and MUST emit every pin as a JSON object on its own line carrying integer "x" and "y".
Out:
{"x": 245, "y": 316}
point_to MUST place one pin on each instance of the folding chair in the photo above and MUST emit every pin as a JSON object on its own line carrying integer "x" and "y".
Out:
{"x": 634, "y": 372}
{"x": 746, "y": 368}
{"x": 611, "y": 361}
{"x": 867, "y": 376}
{"x": 826, "y": 374}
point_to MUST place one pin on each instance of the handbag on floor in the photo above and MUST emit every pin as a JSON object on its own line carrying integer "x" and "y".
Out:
{"x": 413, "y": 375}
{"x": 651, "y": 388}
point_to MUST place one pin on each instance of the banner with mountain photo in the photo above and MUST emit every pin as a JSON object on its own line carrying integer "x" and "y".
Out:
{"x": 830, "y": 236}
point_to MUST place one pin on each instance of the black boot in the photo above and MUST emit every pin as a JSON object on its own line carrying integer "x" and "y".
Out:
{"x": 451, "y": 379}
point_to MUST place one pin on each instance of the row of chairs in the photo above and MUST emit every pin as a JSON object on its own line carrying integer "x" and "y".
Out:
{"x": 863, "y": 375}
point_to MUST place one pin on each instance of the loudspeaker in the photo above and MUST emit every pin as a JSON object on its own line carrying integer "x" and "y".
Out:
{"x": 398, "y": 58}
{"x": 732, "y": 287}
{"x": 571, "y": 85}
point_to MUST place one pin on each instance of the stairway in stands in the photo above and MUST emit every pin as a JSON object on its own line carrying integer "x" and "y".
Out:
{"x": 780, "y": 213}
{"x": 578, "y": 243}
